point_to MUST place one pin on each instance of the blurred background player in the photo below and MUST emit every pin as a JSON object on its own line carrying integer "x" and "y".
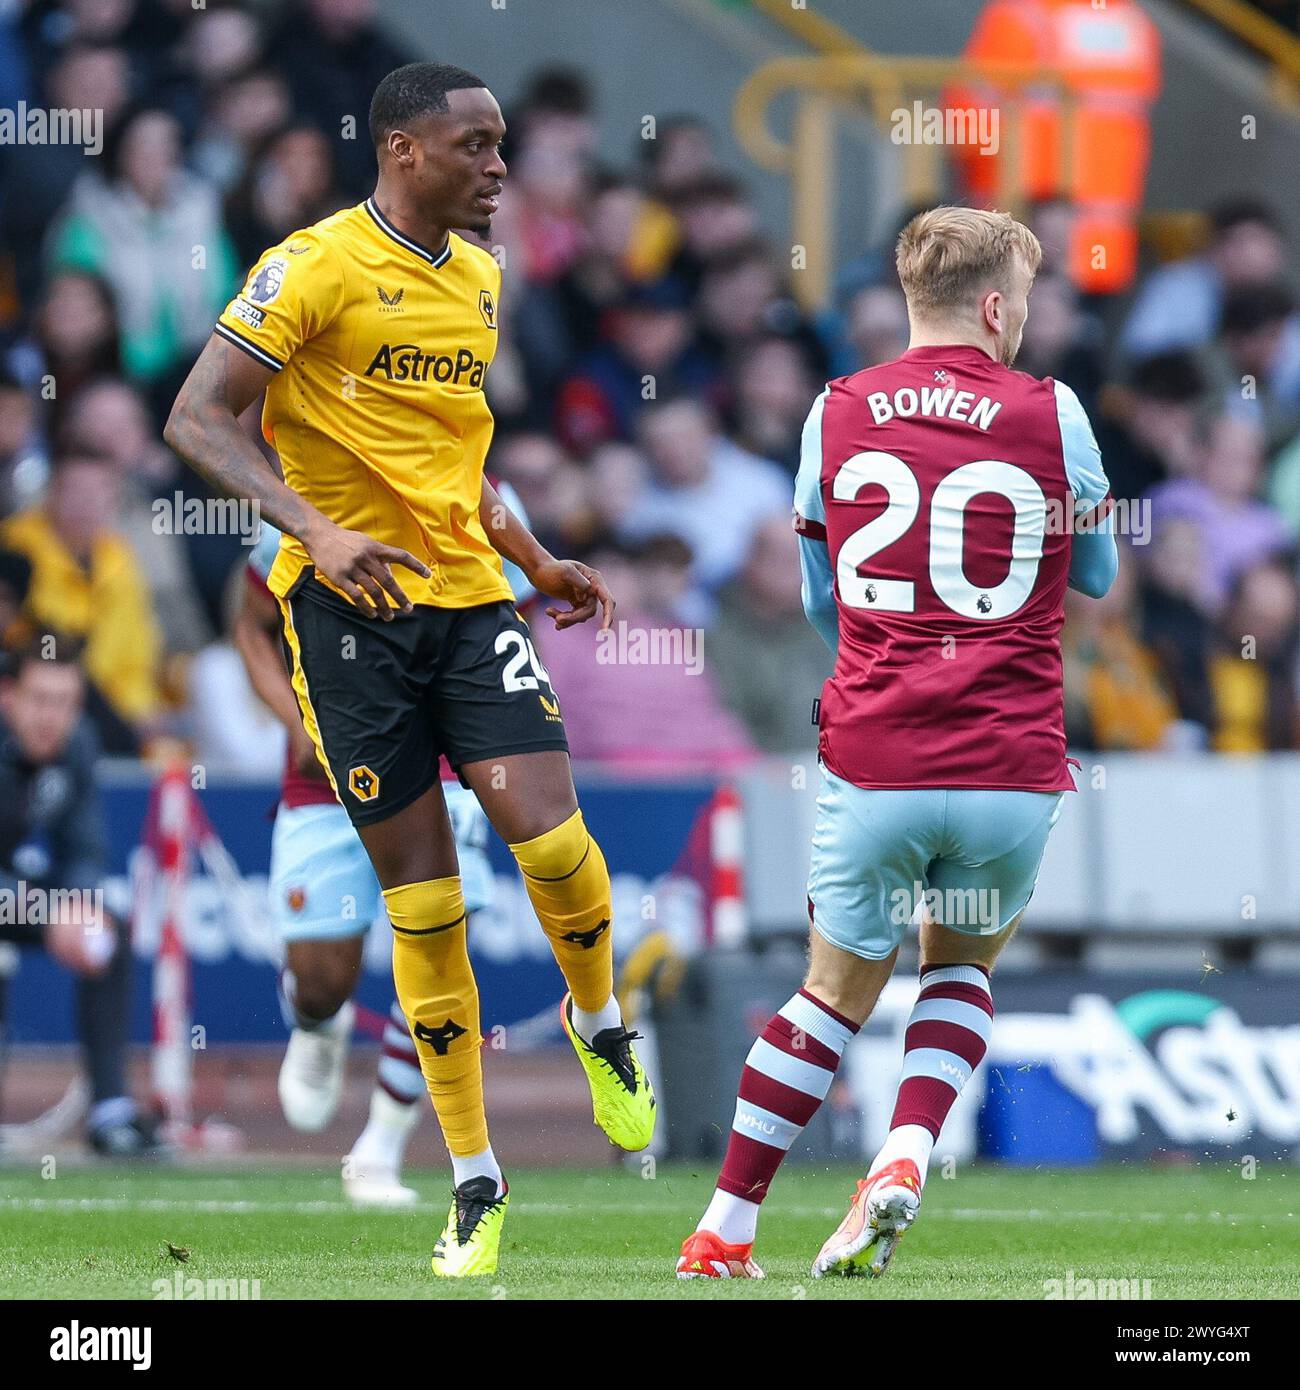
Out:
{"x": 324, "y": 899}
{"x": 52, "y": 845}
{"x": 942, "y": 730}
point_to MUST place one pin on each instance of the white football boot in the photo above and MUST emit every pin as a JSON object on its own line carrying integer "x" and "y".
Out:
{"x": 311, "y": 1075}
{"x": 372, "y": 1172}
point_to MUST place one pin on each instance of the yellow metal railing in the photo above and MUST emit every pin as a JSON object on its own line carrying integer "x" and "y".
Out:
{"x": 811, "y": 28}
{"x": 1256, "y": 30}
{"x": 883, "y": 87}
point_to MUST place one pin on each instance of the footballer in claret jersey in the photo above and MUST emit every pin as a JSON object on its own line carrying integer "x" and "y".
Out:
{"x": 944, "y": 504}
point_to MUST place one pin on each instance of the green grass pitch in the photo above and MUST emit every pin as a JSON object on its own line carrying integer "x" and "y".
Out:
{"x": 986, "y": 1233}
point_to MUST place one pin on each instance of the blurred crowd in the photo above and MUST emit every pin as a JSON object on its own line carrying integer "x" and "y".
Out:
{"x": 652, "y": 377}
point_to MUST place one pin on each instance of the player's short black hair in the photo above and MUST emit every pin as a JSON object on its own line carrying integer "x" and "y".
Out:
{"x": 412, "y": 91}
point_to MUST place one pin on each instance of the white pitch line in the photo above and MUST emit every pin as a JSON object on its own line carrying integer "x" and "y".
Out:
{"x": 236, "y": 1207}
{"x": 218, "y": 1206}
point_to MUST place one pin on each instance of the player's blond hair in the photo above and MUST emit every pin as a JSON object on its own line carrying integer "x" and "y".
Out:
{"x": 947, "y": 255}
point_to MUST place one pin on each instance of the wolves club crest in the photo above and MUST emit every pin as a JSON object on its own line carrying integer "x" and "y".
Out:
{"x": 440, "y": 1038}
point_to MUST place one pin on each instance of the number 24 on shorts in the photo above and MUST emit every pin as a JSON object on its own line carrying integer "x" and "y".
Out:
{"x": 525, "y": 658}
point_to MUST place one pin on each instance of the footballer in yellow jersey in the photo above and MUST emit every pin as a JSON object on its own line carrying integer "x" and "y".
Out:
{"x": 379, "y": 349}
{"x": 376, "y": 410}
{"x": 371, "y": 335}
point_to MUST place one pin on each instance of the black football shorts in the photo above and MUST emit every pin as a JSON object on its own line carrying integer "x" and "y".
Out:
{"x": 381, "y": 700}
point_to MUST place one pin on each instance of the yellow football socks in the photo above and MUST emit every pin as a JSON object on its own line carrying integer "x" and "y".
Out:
{"x": 568, "y": 883}
{"x": 435, "y": 985}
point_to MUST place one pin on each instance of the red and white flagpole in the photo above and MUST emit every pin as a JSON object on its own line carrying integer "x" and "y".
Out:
{"x": 173, "y": 1058}
{"x": 727, "y": 918}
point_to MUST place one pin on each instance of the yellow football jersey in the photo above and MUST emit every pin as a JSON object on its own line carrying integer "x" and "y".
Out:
{"x": 377, "y": 409}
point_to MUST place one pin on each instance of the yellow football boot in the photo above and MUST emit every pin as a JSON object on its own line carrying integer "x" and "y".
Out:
{"x": 622, "y": 1099}
{"x": 469, "y": 1244}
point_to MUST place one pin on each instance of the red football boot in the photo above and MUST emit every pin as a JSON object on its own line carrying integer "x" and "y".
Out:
{"x": 705, "y": 1256}
{"x": 884, "y": 1206}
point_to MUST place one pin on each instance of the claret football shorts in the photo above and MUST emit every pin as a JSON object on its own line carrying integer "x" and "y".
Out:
{"x": 381, "y": 700}
{"x": 970, "y": 857}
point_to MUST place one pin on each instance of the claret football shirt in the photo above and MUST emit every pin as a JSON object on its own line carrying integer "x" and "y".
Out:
{"x": 946, "y": 487}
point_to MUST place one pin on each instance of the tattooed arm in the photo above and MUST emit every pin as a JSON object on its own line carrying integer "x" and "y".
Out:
{"x": 204, "y": 430}
{"x": 583, "y": 587}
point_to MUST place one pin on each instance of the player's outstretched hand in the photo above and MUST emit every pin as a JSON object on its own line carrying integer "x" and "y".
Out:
{"x": 361, "y": 568}
{"x": 584, "y": 587}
